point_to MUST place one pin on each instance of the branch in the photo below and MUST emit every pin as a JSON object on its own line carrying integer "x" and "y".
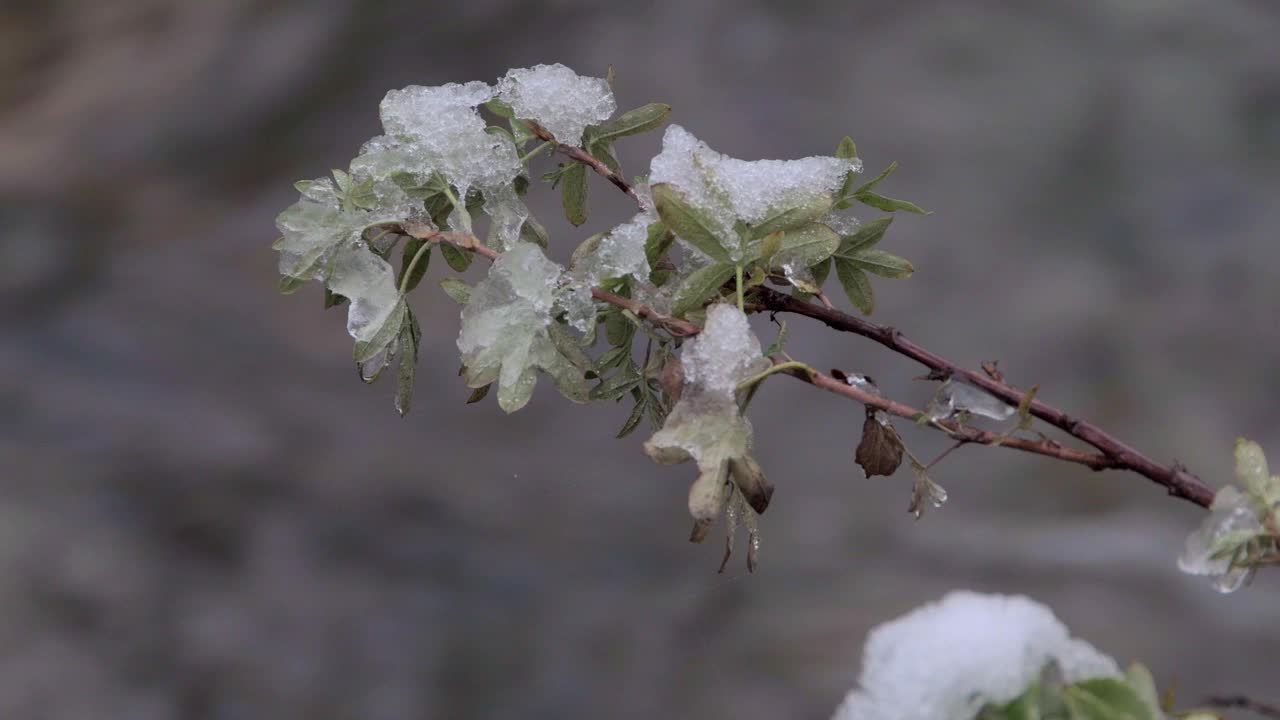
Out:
{"x": 1114, "y": 454}
{"x": 577, "y": 154}
{"x": 960, "y": 433}
{"x": 1176, "y": 479}
{"x": 1240, "y": 701}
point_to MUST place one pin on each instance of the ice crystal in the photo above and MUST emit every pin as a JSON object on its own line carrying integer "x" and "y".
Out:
{"x": 558, "y": 99}
{"x": 729, "y": 190}
{"x": 954, "y": 397}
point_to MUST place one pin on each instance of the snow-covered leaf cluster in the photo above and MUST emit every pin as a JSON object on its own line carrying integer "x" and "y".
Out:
{"x": 506, "y": 330}
{"x": 707, "y": 426}
{"x": 557, "y": 98}
{"x": 323, "y": 239}
{"x": 449, "y": 171}
{"x": 1243, "y": 527}
{"x": 946, "y": 660}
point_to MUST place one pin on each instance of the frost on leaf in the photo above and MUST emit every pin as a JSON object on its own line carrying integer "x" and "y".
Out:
{"x": 617, "y": 254}
{"x": 729, "y": 191}
{"x": 323, "y": 240}
{"x": 506, "y": 330}
{"x": 1211, "y": 550}
{"x": 945, "y": 660}
{"x": 1241, "y": 528}
{"x": 706, "y": 425}
{"x": 558, "y": 99}
{"x": 955, "y": 397}
{"x": 430, "y": 130}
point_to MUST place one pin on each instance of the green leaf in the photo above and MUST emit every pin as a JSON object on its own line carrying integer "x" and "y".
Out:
{"x": 500, "y": 108}
{"x": 458, "y": 259}
{"x": 585, "y": 249}
{"x": 866, "y": 236}
{"x": 478, "y": 394}
{"x": 806, "y": 246}
{"x": 573, "y": 193}
{"x": 1106, "y": 699}
{"x": 459, "y": 291}
{"x": 856, "y": 285}
{"x": 618, "y": 328}
{"x": 1253, "y": 473}
{"x": 632, "y": 122}
{"x": 701, "y": 285}
{"x": 616, "y": 386}
{"x": 869, "y": 186}
{"x": 501, "y": 132}
{"x": 615, "y": 357}
{"x": 881, "y": 263}
{"x": 794, "y": 217}
{"x": 533, "y": 231}
{"x": 687, "y": 221}
{"x": 887, "y": 204}
{"x": 520, "y": 132}
{"x": 769, "y": 247}
{"x": 604, "y": 151}
{"x": 658, "y": 241}
{"x": 637, "y": 414}
{"x": 567, "y": 346}
{"x": 411, "y": 249}
{"x": 1144, "y": 685}
{"x": 410, "y": 335}
{"x": 365, "y": 351}
{"x": 847, "y": 150}
{"x": 290, "y": 285}
{"x": 779, "y": 342}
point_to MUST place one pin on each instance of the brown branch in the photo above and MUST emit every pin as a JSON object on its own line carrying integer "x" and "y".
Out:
{"x": 1176, "y": 479}
{"x": 675, "y": 326}
{"x": 1114, "y": 455}
{"x": 1244, "y": 703}
{"x": 961, "y": 433}
{"x": 577, "y": 154}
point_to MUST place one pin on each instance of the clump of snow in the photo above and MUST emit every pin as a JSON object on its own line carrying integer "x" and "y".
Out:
{"x": 705, "y": 424}
{"x": 945, "y": 660}
{"x": 728, "y": 189}
{"x": 1232, "y": 512}
{"x": 437, "y": 129}
{"x": 724, "y": 354}
{"x": 620, "y": 252}
{"x": 558, "y": 99}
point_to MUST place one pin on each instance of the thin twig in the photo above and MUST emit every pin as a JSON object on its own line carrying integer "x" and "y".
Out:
{"x": 1094, "y": 461}
{"x": 1176, "y": 479}
{"x": 577, "y": 154}
{"x": 947, "y": 452}
{"x": 1240, "y": 701}
{"x": 1115, "y": 454}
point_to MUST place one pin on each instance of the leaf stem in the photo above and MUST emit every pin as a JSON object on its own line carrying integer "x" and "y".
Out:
{"x": 542, "y": 146}
{"x": 413, "y": 263}
{"x": 737, "y": 274}
{"x": 780, "y": 367}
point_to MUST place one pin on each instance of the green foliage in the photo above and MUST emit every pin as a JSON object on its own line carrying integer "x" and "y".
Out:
{"x": 1129, "y": 698}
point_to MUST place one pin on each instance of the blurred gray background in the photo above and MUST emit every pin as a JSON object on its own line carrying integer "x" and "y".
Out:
{"x": 205, "y": 515}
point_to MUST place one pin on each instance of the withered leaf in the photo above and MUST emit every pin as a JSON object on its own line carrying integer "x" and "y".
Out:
{"x": 880, "y": 451}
